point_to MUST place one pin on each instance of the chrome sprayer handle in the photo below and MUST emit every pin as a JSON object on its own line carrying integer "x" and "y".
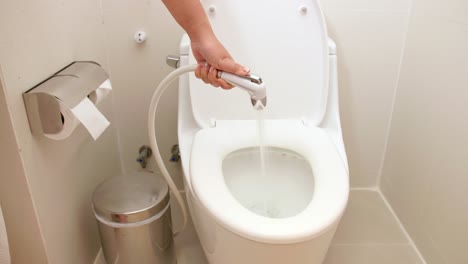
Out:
{"x": 253, "y": 84}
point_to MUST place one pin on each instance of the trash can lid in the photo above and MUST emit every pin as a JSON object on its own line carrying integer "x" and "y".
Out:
{"x": 131, "y": 198}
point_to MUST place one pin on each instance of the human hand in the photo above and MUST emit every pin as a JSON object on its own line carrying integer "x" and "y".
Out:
{"x": 211, "y": 57}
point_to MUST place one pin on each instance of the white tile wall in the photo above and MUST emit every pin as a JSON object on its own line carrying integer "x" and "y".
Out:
{"x": 14, "y": 197}
{"x": 370, "y": 37}
{"x": 4, "y": 248}
{"x": 136, "y": 70}
{"x": 424, "y": 177}
{"x": 39, "y": 38}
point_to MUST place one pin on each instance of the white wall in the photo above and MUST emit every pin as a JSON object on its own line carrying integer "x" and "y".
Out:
{"x": 136, "y": 70}
{"x": 425, "y": 176}
{"x": 4, "y": 247}
{"x": 47, "y": 196}
{"x": 370, "y": 36}
{"x": 14, "y": 195}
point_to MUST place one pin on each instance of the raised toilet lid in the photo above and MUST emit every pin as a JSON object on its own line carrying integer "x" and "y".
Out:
{"x": 285, "y": 42}
{"x": 330, "y": 192}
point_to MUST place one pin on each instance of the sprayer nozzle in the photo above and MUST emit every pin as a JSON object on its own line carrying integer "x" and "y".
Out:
{"x": 259, "y": 104}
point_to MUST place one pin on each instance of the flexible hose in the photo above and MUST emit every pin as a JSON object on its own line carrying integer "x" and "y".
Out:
{"x": 152, "y": 136}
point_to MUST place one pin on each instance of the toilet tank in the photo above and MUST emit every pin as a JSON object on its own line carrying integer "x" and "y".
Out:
{"x": 283, "y": 41}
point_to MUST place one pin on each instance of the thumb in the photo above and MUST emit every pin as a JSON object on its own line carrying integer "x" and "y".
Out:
{"x": 229, "y": 65}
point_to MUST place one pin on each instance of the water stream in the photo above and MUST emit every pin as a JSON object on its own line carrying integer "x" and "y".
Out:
{"x": 266, "y": 206}
{"x": 261, "y": 145}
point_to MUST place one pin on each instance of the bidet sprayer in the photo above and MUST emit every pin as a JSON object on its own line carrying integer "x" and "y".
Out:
{"x": 251, "y": 83}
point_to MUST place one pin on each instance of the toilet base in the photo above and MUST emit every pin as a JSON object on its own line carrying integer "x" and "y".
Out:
{"x": 222, "y": 246}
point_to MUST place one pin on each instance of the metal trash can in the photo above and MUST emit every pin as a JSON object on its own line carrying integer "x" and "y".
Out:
{"x": 134, "y": 218}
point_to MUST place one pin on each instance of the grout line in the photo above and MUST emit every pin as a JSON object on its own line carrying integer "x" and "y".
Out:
{"x": 99, "y": 257}
{"x": 410, "y": 240}
{"x": 397, "y": 84}
{"x": 373, "y": 189}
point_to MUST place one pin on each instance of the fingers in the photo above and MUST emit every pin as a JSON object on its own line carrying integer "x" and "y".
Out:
{"x": 202, "y": 71}
{"x": 212, "y": 78}
{"x": 212, "y": 56}
{"x": 197, "y": 71}
{"x": 208, "y": 74}
{"x": 229, "y": 65}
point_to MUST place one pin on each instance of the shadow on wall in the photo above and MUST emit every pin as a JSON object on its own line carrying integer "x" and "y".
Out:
{"x": 4, "y": 250}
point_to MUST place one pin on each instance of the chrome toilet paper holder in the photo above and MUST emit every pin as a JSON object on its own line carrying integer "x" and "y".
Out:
{"x": 68, "y": 87}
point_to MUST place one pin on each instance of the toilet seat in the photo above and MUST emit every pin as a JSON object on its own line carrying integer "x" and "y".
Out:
{"x": 212, "y": 145}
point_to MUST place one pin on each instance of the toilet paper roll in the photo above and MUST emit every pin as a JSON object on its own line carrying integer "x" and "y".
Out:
{"x": 85, "y": 113}
{"x": 70, "y": 123}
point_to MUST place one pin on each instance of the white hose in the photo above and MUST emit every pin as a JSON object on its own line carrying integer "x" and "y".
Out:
{"x": 152, "y": 136}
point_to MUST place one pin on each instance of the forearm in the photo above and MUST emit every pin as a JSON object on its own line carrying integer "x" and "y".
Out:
{"x": 207, "y": 49}
{"x": 190, "y": 15}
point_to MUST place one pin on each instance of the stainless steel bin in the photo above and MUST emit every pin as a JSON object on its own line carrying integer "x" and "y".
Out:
{"x": 134, "y": 219}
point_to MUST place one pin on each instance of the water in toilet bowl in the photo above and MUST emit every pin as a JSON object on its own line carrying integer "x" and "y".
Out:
{"x": 283, "y": 190}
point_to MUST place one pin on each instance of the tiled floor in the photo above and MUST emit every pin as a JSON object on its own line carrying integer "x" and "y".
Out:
{"x": 368, "y": 234}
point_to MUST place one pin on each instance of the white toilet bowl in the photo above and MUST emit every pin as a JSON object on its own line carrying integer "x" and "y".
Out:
{"x": 290, "y": 213}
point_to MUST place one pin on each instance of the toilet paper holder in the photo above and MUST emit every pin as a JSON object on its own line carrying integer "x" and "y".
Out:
{"x": 68, "y": 87}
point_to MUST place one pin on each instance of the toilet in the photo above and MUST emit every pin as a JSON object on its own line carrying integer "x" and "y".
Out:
{"x": 265, "y": 186}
